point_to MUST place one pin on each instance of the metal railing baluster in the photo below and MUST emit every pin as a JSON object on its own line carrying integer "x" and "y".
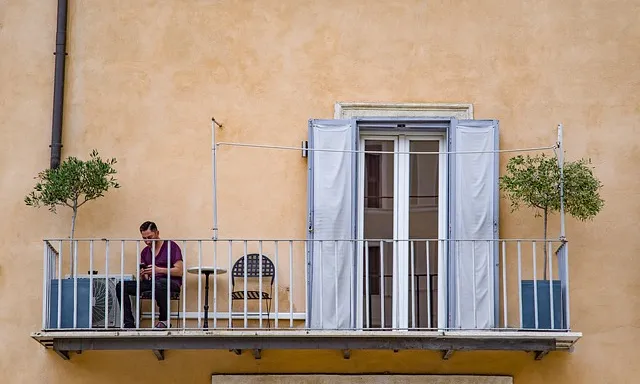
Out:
{"x": 504, "y": 284}
{"x": 138, "y": 304}
{"x": 291, "y": 284}
{"x": 413, "y": 286}
{"x": 428, "y": 255}
{"x": 535, "y": 284}
{"x": 367, "y": 302}
{"x": 550, "y": 261}
{"x": 275, "y": 279}
{"x": 381, "y": 284}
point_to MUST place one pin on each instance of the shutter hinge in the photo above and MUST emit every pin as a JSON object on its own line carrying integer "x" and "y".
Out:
{"x": 305, "y": 149}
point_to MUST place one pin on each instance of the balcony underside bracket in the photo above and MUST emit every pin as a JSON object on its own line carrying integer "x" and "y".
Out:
{"x": 64, "y": 354}
{"x": 159, "y": 353}
{"x": 446, "y": 355}
{"x": 540, "y": 354}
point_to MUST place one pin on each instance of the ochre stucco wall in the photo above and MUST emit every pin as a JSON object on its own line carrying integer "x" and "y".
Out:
{"x": 145, "y": 77}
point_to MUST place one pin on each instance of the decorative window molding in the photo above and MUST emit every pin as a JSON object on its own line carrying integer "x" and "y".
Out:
{"x": 347, "y": 110}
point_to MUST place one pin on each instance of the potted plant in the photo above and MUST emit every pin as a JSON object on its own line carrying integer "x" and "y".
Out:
{"x": 74, "y": 183}
{"x": 534, "y": 182}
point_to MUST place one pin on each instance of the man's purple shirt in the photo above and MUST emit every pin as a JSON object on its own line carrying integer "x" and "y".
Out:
{"x": 161, "y": 260}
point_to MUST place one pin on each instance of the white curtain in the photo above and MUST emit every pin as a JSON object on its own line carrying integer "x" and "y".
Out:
{"x": 474, "y": 218}
{"x": 332, "y": 209}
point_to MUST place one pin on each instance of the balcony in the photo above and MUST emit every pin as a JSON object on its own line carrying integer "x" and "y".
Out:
{"x": 444, "y": 295}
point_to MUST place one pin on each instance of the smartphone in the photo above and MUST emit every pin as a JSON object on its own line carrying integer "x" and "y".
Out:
{"x": 143, "y": 266}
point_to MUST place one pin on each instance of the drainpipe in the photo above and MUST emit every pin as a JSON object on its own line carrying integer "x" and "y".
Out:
{"x": 58, "y": 83}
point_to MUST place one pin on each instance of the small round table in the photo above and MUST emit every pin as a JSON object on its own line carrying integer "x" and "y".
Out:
{"x": 207, "y": 271}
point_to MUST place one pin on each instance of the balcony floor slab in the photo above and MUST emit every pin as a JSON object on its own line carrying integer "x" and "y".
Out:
{"x": 539, "y": 342}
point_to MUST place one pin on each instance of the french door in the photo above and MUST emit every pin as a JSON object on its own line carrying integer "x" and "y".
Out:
{"x": 402, "y": 198}
{"x": 397, "y": 193}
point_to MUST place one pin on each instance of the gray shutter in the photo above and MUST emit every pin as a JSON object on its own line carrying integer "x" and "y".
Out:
{"x": 473, "y": 221}
{"x": 332, "y": 216}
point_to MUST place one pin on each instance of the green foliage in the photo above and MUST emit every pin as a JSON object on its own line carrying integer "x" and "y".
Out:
{"x": 73, "y": 183}
{"x": 534, "y": 182}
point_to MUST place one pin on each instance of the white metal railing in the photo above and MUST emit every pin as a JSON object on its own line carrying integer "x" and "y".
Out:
{"x": 418, "y": 284}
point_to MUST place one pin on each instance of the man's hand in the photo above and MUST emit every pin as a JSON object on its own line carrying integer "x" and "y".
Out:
{"x": 148, "y": 272}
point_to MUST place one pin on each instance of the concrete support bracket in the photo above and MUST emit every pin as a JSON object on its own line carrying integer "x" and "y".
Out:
{"x": 446, "y": 355}
{"x": 540, "y": 354}
{"x": 64, "y": 354}
{"x": 159, "y": 354}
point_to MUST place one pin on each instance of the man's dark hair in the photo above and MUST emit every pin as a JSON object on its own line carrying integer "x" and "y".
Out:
{"x": 148, "y": 226}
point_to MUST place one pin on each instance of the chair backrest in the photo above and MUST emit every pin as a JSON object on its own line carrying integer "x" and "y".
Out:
{"x": 253, "y": 268}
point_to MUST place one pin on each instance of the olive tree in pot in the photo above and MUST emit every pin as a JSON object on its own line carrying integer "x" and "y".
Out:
{"x": 534, "y": 182}
{"x": 74, "y": 183}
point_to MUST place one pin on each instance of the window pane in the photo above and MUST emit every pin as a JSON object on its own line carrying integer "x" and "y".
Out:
{"x": 378, "y": 224}
{"x": 423, "y": 224}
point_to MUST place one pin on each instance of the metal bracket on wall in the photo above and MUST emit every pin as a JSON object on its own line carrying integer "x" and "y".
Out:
{"x": 446, "y": 355}
{"x": 159, "y": 353}
{"x": 257, "y": 353}
{"x": 346, "y": 354}
{"x": 305, "y": 149}
{"x": 63, "y": 354}
{"x": 540, "y": 354}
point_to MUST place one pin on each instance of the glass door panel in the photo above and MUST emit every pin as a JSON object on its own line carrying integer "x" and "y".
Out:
{"x": 423, "y": 228}
{"x": 378, "y": 224}
{"x": 401, "y": 219}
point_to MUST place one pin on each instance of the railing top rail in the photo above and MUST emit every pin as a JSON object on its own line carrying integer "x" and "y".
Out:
{"x": 530, "y": 240}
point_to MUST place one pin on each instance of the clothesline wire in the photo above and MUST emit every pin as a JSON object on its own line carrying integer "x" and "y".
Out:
{"x": 265, "y": 146}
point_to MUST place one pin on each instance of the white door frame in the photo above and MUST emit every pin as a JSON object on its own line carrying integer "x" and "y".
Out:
{"x": 400, "y": 318}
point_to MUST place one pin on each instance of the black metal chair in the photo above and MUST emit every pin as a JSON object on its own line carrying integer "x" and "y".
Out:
{"x": 173, "y": 296}
{"x": 254, "y": 270}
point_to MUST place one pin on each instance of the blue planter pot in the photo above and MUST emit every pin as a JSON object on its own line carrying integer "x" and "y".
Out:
{"x": 544, "y": 305}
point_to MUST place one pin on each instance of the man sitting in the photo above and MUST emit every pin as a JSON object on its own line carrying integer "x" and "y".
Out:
{"x": 163, "y": 249}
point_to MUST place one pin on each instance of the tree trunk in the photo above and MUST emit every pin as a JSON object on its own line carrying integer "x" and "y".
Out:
{"x": 546, "y": 217}
{"x": 73, "y": 221}
{"x": 73, "y": 230}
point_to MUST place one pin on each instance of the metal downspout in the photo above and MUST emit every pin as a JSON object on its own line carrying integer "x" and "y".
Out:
{"x": 58, "y": 83}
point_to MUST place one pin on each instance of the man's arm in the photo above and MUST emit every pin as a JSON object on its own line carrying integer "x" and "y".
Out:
{"x": 176, "y": 270}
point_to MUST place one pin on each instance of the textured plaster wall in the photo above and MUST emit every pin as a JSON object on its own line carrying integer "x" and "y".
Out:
{"x": 144, "y": 78}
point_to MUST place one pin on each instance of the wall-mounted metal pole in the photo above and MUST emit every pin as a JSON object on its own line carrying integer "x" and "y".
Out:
{"x": 561, "y": 166}
{"x": 215, "y": 181}
{"x": 563, "y": 264}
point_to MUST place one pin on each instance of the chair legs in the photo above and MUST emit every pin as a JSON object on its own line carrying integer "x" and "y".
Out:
{"x": 261, "y": 297}
{"x": 268, "y": 303}
{"x": 269, "y": 308}
{"x": 139, "y": 310}
{"x": 178, "y": 318}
